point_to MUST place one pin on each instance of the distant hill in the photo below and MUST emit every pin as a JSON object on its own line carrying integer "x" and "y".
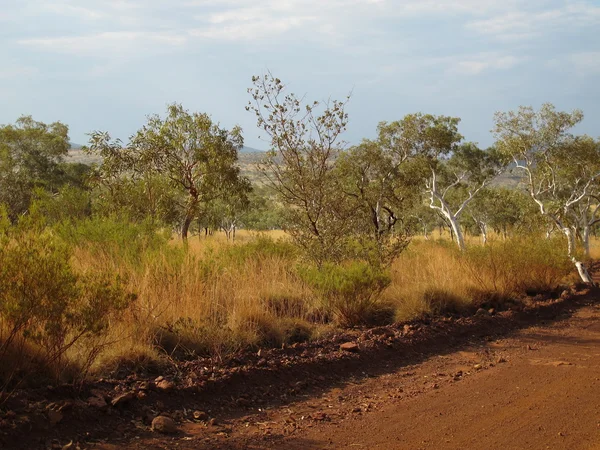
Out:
{"x": 250, "y": 150}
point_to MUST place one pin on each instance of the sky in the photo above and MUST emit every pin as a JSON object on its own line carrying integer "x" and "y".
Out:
{"x": 107, "y": 64}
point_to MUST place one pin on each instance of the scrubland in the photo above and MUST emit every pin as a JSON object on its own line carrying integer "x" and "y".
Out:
{"x": 140, "y": 300}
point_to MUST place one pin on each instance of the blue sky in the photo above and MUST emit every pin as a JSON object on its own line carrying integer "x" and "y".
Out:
{"x": 106, "y": 64}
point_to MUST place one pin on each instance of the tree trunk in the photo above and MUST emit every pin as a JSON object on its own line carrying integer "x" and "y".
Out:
{"x": 425, "y": 233}
{"x": 570, "y": 240}
{"x": 585, "y": 238}
{"x": 186, "y": 226}
{"x": 460, "y": 240}
{"x": 483, "y": 228}
{"x": 583, "y": 273}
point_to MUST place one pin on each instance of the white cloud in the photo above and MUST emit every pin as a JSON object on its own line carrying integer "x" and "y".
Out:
{"x": 484, "y": 62}
{"x": 8, "y": 71}
{"x": 520, "y": 24}
{"x": 116, "y": 42}
{"x": 66, "y": 9}
{"x": 586, "y": 63}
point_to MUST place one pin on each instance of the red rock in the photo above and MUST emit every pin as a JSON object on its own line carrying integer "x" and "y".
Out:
{"x": 349, "y": 347}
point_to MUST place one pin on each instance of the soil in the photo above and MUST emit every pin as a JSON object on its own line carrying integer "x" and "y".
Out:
{"x": 525, "y": 378}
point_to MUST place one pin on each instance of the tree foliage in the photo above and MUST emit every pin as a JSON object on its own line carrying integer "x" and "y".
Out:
{"x": 184, "y": 159}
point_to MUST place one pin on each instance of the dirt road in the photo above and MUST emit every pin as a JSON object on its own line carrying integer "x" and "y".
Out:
{"x": 545, "y": 396}
{"x": 539, "y": 388}
{"x": 525, "y": 379}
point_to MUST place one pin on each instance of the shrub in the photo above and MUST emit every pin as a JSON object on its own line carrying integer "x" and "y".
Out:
{"x": 117, "y": 238}
{"x": 45, "y": 303}
{"x": 351, "y": 291}
{"x": 518, "y": 266}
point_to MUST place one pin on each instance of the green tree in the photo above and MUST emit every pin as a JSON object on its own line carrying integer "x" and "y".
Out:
{"x": 453, "y": 172}
{"x": 561, "y": 169}
{"x": 305, "y": 141}
{"x": 31, "y": 156}
{"x": 195, "y": 156}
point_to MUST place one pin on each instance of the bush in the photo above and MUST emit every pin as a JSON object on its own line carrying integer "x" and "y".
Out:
{"x": 350, "y": 291}
{"x": 517, "y": 267}
{"x": 45, "y": 303}
{"x": 116, "y": 237}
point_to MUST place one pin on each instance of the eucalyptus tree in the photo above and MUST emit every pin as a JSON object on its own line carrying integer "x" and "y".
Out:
{"x": 305, "y": 139}
{"x": 453, "y": 169}
{"x": 32, "y": 154}
{"x": 195, "y": 156}
{"x": 380, "y": 186}
{"x": 561, "y": 169}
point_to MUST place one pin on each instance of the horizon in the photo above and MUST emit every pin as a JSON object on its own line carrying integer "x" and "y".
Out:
{"x": 108, "y": 65}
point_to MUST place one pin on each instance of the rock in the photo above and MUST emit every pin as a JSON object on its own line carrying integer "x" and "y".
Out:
{"x": 349, "y": 347}
{"x": 97, "y": 402}
{"x": 54, "y": 416}
{"x": 477, "y": 367}
{"x": 165, "y": 385}
{"x": 565, "y": 294}
{"x": 482, "y": 312}
{"x": 492, "y": 311}
{"x": 501, "y": 360}
{"x": 159, "y": 379}
{"x": 213, "y": 422}
{"x": 145, "y": 386}
{"x": 164, "y": 425}
{"x": 123, "y": 398}
{"x": 200, "y": 415}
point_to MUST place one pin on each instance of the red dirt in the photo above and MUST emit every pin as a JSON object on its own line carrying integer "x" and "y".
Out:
{"x": 514, "y": 380}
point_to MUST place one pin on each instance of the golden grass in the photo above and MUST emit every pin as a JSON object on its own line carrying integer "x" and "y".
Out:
{"x": 199, "y": 302}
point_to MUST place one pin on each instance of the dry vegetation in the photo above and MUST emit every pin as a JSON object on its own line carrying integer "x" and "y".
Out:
{"x": 213, "y": 298}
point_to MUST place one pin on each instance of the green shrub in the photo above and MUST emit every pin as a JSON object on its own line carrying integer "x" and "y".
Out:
{"x": 351, "y": 291}
{"x": 45, "y": 303}
{"x": 516, "y": 267}
{"x": 118, "y": 238}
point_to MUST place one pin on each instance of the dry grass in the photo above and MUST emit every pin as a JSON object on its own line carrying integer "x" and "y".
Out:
{"x": 217, "y": 297}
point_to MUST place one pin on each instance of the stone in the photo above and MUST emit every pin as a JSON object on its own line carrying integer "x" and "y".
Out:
{"x": 54, "y": 416}
{"x": 477, "y": 367}
{"x": 97, "y": 402}
{"x": 145, "y": 386}
{"x": 482, "y": 312}
{"x": 200, "y": 415}
{"x": 120, "y": 400}
{"x": 165, "y": 385}
{"x": 349, "y": 347}
{"x": 164, "y": 424}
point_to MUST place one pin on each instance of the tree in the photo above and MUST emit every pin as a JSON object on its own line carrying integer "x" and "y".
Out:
{"x": 305, "y": 141}
{"x": 380, "y": 183}
{"x": 451, "y": 168}
{"x": 561, "y": 170}
{"x": 196, "y": 157}
{"x": 31, "y": 156}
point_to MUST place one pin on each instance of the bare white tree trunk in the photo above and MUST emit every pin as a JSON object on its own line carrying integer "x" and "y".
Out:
{"x": 460, "y": 240}
{"x": 585, "y": 238}
{"x": 583, "y": 273}
{"x": 483, "y": 229}
{"x": 570, "y": 240}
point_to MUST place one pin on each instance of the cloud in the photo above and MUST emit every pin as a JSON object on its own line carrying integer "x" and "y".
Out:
{"x": 117, "y": 42}
{"x": 586, "y": 63}
{"x": 520, "y": 24}
{"x": 484, "y": 62}
{"x": 8, "y": 71}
